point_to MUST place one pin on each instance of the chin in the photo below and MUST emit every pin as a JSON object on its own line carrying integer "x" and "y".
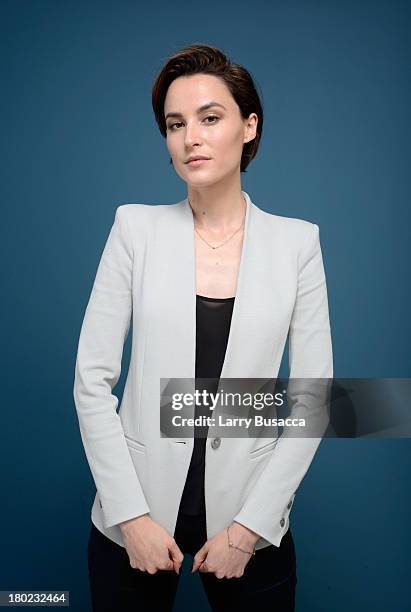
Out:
{"x": 206, "y": 180}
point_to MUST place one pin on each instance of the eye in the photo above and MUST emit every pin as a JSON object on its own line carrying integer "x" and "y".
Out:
{"x": 171, "y": 126}
{"x": 212, "y": 117}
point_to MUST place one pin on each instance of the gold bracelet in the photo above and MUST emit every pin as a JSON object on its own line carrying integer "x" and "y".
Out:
{"x": 238, "y": 548}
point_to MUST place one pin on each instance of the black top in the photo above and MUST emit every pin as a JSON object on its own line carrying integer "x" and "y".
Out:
{"x": 213, "y": 320}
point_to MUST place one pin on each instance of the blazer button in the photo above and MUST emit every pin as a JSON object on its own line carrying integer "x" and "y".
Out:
{"x": 290, "y": 503}
{"x": 282, "y": 522}
{"x": 216, "y": 443}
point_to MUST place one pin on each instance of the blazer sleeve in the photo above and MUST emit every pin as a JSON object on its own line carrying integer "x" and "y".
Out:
{"x": 267, "y": 506}
{"x": 97, "y": 370}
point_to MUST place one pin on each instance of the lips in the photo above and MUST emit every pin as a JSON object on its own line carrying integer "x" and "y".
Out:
{"x": 197, "y": 162}
{"x": 197, "y": 159}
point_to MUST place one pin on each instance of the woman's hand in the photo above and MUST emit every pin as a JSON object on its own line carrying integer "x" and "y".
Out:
{"x": 149, "y": 546}
{"x": 218, "y": 557}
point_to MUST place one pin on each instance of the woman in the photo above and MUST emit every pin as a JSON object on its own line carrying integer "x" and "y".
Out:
{"x": 213, "y": 286}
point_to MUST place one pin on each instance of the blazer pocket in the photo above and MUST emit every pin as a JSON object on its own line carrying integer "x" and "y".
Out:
{"x": 261, "y": 450}
{"x": 135, "y": 444}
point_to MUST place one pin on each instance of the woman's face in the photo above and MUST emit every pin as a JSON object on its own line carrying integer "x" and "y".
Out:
{"x": 217, "y": 132}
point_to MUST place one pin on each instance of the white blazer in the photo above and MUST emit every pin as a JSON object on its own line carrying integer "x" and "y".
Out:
{"x": 146, "y": 276}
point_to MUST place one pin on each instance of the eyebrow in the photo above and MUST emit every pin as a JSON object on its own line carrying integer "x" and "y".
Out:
{"x": 199, "y": 110}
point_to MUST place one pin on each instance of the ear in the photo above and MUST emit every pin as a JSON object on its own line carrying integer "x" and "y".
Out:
{"x": 250, "y": 131}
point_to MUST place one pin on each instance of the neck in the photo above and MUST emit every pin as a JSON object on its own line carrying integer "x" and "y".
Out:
{"x": 217, "y": 210}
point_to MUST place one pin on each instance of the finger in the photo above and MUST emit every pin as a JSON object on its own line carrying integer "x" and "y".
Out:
{"x": 177, "y": 556}
{"x": 175, "y": 550}
{"x": 198, "y": 560}
{"x": 176, "y": 565}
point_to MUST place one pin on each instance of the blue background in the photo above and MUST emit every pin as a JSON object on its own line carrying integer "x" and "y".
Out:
{"x": 80, "y": 139}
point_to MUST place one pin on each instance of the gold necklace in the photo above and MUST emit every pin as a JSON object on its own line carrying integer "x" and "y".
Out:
{"x": 225, "y": 241}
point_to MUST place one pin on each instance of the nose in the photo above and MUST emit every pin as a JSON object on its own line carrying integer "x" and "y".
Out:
{"x": 192, "y": 135}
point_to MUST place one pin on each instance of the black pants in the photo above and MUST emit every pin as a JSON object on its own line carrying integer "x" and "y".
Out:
{"x": 268, "y": 582}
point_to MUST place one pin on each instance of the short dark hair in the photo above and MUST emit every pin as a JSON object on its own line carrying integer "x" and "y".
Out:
{"x": 204, "y": 59}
